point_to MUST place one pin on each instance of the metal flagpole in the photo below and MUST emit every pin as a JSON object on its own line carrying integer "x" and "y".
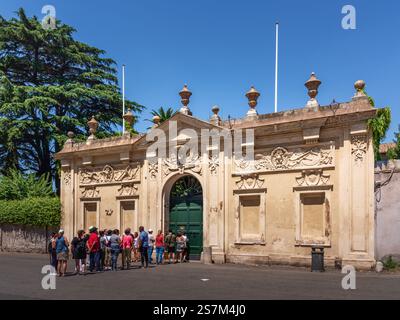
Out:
{"x": 276, "y": 65}
{"x": 123, "y": 98}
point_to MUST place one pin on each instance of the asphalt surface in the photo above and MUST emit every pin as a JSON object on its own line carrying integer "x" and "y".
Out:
{"x": 20, "y": 278}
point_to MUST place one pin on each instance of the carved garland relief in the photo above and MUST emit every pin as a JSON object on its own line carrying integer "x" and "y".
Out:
{"x": 90, "y": 192}
{"x": 282, "y": 159}
{"x": 153, "y": 170}
{"x": 67, "y": 177}
{"x": 250, "y": 181}
{"x": 190, "y": 163}
{"x": 359, "y": 148}
{"x": 107, "y": 175}
{"x": 129, "y": 189}
{"x": 89, "y": 178}
{"x": 312, "y": 178}
{"x": 213, "y": 164}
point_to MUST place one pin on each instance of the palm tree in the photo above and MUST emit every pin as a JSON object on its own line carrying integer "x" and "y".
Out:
{"x": 163, "y": 114}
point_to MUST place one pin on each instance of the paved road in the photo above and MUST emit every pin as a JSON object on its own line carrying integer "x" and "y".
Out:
{"x": 20, "y": 278}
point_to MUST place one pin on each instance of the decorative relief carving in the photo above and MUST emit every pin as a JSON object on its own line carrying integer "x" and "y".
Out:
{"x": 282, "y": 159}
{"x": 190, "y": 163}
{"x": 67, "y": 178}
{"x": 279, "y": 158}
{"x": 213, "y": 209}
{"x": 312, "y": 178}
{"x": 213, "y": 164}
{"x": 359, "y": 148}
{"x": 90, "y": 192}
{"x": 153, "y": 170}
{"x": 242, "y": 164}
{"x": 109, "y": 212}
{"x": 130, "y": 173}
{"x": 128, "y": 189}
{"x": 249, "y": 181}
{"x": 107, "y": 174}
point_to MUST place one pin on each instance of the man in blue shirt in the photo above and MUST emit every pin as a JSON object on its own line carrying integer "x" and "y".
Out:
{"x": 144, "y": 246}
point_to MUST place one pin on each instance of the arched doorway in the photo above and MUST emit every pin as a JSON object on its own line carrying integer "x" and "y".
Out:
{"x": 186, "y": 212}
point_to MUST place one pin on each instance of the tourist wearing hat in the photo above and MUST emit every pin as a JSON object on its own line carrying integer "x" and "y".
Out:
{"x": 62, "y": 253}
{"x": 93, "y": 246}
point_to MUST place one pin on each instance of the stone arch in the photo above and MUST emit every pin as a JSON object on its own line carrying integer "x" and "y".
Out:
{"x": 166, "y": 201}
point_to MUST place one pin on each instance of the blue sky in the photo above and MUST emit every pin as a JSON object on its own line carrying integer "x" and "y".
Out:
{"x": 221, "y": 48}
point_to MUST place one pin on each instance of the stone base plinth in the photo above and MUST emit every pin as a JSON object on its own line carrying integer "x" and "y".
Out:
{"x": 218, "y": 258}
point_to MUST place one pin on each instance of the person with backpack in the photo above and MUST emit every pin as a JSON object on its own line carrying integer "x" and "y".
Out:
{"x": 170, "y": 241}
{"x": 62, "y": 253}
{"x": 78, "y": 250}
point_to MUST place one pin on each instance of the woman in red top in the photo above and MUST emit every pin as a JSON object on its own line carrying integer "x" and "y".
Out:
{"x": 127, "y": 243}
{"x": 159, "y": 247}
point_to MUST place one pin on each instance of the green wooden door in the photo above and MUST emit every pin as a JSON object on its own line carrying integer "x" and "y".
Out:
{"x": 186, "y": 214}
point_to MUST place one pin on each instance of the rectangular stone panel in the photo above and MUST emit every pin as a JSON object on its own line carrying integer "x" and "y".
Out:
{"x": 127, "y": 215}
{"x": 90, "y": 213}
{"x": 250, "y": 215}
{"x": 312, "y": 215}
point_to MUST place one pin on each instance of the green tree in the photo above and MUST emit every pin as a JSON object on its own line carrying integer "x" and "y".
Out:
{"x": 379, "y": 126}
{"x": 163, "y": 114}
{"x": 18, "y": 186}
{"x": 394, "y": 153}
{"x": 51, "y": 84}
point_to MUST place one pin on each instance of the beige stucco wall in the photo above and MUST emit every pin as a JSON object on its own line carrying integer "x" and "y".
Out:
{"x": 387, "y": 177}
{"x": 346, "y": 181}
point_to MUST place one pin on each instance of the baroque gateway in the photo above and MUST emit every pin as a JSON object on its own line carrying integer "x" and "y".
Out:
{"x": 310, "y": 182}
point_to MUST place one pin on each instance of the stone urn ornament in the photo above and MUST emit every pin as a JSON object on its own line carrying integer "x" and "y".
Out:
{"x": 252, "y": 95}
{"x": 312, "y": 85}
{"x": 93, "y": 125}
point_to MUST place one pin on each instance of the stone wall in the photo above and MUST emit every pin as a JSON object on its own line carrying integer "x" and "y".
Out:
{"x": 19, "y": 238}
{"x": 387, "y": 195}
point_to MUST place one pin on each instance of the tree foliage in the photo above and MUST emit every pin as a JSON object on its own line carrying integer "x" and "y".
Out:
{"x": 379, "y": 126}
{"x": 17, "y": 186}
{"x": 394, "y": 153}
{"x": 164, "y": 114}
{"x": 32, "y": 211}
{"x": 50, "y": 84}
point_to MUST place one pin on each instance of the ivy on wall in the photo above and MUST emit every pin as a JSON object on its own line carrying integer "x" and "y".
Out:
{"x": 379, "y": 125}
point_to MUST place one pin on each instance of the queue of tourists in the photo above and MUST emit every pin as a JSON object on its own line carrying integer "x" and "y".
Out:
{"x": 98, "y": 251}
